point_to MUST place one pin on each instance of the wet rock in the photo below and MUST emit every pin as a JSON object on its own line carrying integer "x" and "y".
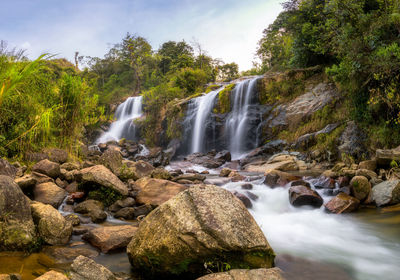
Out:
{"x": 196, "y": 225}
{"x": 110, "y": 238}
{"x": 52, "y": 275}
{"x": 127, "y": 213}
{"x": 225, "y": 172}
{"x": 190, "y": 177}
{"x": 246, "y": 274}
{"x": 251, "y": 195}
{"x": 246, "y": 201}
{"x": 156, "y": 191}
{"x": 16, "y": 224}
{"x": 119, "y": 204}
{"x": 342, "y": 203}
{"x": 368, "y": 164}
{"x": 48, "y": 168}
{"x": 49, "y": 193}
{"x": 247, "y": 186}
{"x": 73, "y": 219}
{"x": 223, "y": 155}
{"x": 274, "y": 178}
{"x": 7, "y": 169}
{"x": 84, "y": 268}
{"x": 343, "y": 181}
{"x": 300, "y": 183}
{"x": 302, "y": 195}
{"x": 264, "y": 151}
{"x": 281, "y": 162}
{"x": 66, "y": 255}
{"x": 217, "y": 181}
{"x": 360, "y": 187}
{"x": 99, "y": 175}
{"x": 92, "y": 208}
{"x": 51, "y": 225}
{"x": 136, "y": 170}
{"x": 236, "y": 176}
{"x": 386, "y": 193}
{"x": 161, "y": 173}
{"x": 206, "y": 160}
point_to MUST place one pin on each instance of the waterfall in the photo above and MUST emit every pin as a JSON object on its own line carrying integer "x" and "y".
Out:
{"x": 124, "y": 127}
{"x": 237, "y": 126}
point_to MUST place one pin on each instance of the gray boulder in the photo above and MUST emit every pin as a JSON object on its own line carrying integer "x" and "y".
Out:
{"x": 386, "y": 193}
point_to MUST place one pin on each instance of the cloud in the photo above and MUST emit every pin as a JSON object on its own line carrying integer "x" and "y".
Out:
{"x": 228, "y": 29}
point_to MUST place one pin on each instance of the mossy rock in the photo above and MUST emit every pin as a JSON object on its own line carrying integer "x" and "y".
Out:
{"x": 224, "y": 103}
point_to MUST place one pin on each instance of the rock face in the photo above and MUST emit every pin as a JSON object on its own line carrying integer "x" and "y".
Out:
{"x": 246, "y": 274}
{"x": 386, "y": 193}
{"x": 303, "y": 195}
{"x": 110, "y": 238}
{"x": 99, "y": 175}
{"x": 17, "y": 231}
{"x": 52, "y": 275}
{"x": 342, "y": 203}
{"x": 7, "y": 169}
{"x": 201, "y": 224}
{"x": 156, "y": 191}
{"x": 360, "y": 187}
{"x": 51, "y": 225}
{"x": 84, "y": 268}
{"x": 49, "y": 193}
{"x": 47, "y": 167}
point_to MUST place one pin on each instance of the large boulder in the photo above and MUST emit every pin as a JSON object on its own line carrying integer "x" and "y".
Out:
{"x": 7, "y": 169}
{"x": 52, "y": 275}
{"x": 51, "y": 225}
{"x": 99, "y": 175}
{"x": 110, "y": 238}
{"x": 303, "y": 195}
{"x": 92, "y": 208}
{"x": 156, "y": 191}
{"x": 342, "y": 203}
{"x": 49, "y": 193}
{"x": 84, "y": 268}
{"x": 360, "y": 187}
{"x": 386, "y": 193}
{"x": 112, "y": 159}
{"x": 202, "y": 224}
{"x": 274, "y": 178}
{"x": 17, "y": 230}
{"x": 47, "y": 167}
{"x": 246, "y": 274}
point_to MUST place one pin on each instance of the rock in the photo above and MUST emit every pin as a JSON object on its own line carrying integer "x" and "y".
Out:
{"x": 274, "y": 178}
{"x": 51, "y": 225}
{"x": 7, "y": 169}
{"x": 56, "y": 155}
{"x": 161, "y": 173}
{"x": 302, "y": 195}
{"x": 49, "y": 193}
{"x": 66, "y": 255}
{"x": 386, "y": 193}
{"x": 368, "y": 164}
{"x": 16, "y": 225}
{"x": 342, "y": 203}
{"x": 236, "y": 176}
{"x": 156, "y": 191}
{"x": 84, "y": 268}
{"x": 300, "y": 183}
{"x": 330, "y": 174}
{"x": 251, "y": 195}
{"x": 99, "y": 175}
{"x": 69, "y": 166}
{"x": 127, "y": 213}
{"x": 223, "y": 155}
{"x": 112, "y": 159}
{"x": 13, "y": 276}
{"x": 306, "y": 141}
{"x": 281, "y": 162}
{"x": 206, "y": 160}
{"x": 72, "y": 188}
{"x": 110, "y": 238}
{"x": 385, "y": 157}
{"x": 93, "y": 208}
{"x": 137, "y": 170}
{"x": 225, "y": 172}
{"x": 127, "y": 202}
{"x": 367, "y": 173}
{"x": 62, "y": 184}
{"x": 52, "y": 275}
{"x": 352, "y": 142}
{"x": 190, "y": 177}
{"x": 360, "y": 187}
{"x": 73, "y": 219}
{"x": 203, "y": 223}
{"x": 47, "y": 168}
{"x": 247, "y": 186}
{"x": 246, "y": 274}
{"x": 246, "y": 201}
{"x": 26, "y": 182}
{"x": 264, "y": 151}
{"x": 217, "y": 181}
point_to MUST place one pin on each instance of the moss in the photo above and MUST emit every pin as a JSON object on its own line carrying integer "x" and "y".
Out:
{"x": 212, "y": 87}
{"x": 224, "y": 105}
{"x": 106, "y": 195}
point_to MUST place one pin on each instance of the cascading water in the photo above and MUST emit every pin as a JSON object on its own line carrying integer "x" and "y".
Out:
{"x": 199, "y": 112}
{"x": 237, "y": 124}
{"x": 124, "y": 126}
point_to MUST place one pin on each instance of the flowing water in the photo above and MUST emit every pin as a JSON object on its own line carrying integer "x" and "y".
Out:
{"x": 124, "y": 126}
{"x": 237, "y": 124}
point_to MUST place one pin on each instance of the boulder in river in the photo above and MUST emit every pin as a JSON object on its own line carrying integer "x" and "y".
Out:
{"x": 274, "y": 178}
{"x": 100, "y": 175}
{"x": 52, "y": 275}
{"x": 342, "y": 203}
{"x": 246, "y": 274}
{"x": 136, "y": 169}
{"x": 110, "y": 238}
{"x": 49, "y": 193}
{"x": 51, "y": 225}
{"x": 360, "y": 187}
{"x": 203, "y": 224}
{"x": 84, "y": 268}
{"x": 156, "y": 191}
{"x": 303, "y": 195}
{"x": 47, "y": 167}
{"x": 386, "y": 193}
{"x": 92, "y": 208}
{"x": 17, "y": 230}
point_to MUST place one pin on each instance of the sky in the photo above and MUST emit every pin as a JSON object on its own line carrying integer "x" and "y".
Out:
{"x": 226, "y": 29}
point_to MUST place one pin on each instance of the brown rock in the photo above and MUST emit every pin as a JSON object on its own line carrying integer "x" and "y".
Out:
{"x": 274, "y": 178}
{"x": 225, "y": 172}
{"x": 49, "y": 193}
{"x": 342, "y": 203}
{"x": 47, "y": 167}
{"x": 52, "y": 275}
{"x": 246, "y": 274}
{"x": 368, "y": 164}
{"x": 302, "y": 195}
{"x": 7, "y": 169}
{"x": 360, "y": 187}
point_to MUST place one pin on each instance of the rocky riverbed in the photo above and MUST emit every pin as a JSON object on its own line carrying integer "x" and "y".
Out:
{"x": 189, "y": 217}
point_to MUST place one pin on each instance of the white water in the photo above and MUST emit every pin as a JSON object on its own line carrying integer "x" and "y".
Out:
{"x": 202, "y": 108}
{"x": 124, "y": 126}
{"x": 360, "y": 248}
{"x": 237, "y": 125}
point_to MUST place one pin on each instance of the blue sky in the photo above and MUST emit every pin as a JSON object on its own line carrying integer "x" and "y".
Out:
{"x": 226, "y": 29}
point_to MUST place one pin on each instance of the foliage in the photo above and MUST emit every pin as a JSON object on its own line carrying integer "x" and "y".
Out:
{"x": 224, "y": 104}
{"x": 105, "y": 195}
